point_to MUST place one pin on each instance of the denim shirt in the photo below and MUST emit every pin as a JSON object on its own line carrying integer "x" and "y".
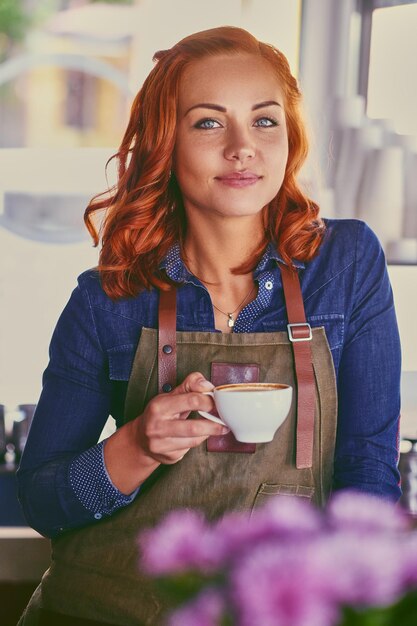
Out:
{"x": 345, "y": 289}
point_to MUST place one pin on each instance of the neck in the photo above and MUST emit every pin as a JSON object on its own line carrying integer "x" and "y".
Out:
{"x": 211, "y": 252}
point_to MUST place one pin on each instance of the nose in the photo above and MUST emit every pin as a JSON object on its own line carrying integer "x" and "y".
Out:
{"x": 239, "y": 146}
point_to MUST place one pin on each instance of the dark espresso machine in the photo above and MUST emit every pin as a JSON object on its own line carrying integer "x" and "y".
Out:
{"x": 13, "y": 435}
{"x": 408, "y": 469}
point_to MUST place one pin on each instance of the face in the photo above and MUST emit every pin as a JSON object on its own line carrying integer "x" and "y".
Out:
{"x": 232, "y": 146}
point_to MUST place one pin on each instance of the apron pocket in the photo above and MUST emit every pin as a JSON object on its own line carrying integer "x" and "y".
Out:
{"x": 266, "y": 490}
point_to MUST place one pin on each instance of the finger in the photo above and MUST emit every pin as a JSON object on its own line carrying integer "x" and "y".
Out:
{"x": 193, "y": 382}
{"x": 163, "y": 428}
{"x": 191, "y": 428}
{"x": 180, "y": 405}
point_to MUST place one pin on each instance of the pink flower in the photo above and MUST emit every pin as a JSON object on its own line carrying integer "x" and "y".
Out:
{"x": 182, "y": 541}
{"x": 287, "y": 564}
{"x": 276, "y": 585}
{"x": 408, "y": 556}
{"x": 360, "y": 511}
{"x": 359, "y": 570}
{"x": 284, "y": 519}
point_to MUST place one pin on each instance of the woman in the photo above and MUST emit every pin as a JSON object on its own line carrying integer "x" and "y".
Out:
{"x": 208, "y": 233}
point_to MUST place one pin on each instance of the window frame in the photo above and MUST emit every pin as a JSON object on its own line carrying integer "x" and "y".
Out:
{"x": 366, "y": 8}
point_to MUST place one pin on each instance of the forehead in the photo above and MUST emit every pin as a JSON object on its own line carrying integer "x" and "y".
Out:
{"x": 223, "y": 78}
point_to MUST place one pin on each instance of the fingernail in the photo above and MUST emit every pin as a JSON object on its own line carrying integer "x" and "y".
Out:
{"x": 206, "y": 384}
{"x": 225, "y": 430}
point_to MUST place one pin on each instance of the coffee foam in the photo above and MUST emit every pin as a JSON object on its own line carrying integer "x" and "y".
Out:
{"x": 247, "y": 387}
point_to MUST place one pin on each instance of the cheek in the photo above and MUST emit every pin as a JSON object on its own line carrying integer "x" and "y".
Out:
{"x": 189, "y": 172}
{"x": 280, "y": 156}
{"x": 184, "y": 152}
{"x": 274, "y": 147}
{"x": 194, "y": 161}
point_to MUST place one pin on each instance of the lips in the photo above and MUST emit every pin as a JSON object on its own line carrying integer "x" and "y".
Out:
{"x": 239, "y": 179}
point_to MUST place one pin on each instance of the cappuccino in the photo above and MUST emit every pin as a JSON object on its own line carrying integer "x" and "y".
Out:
{"x": 252, "y": 417}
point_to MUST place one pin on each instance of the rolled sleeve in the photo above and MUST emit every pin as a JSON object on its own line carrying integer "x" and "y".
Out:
{"x": 93, "y": 486}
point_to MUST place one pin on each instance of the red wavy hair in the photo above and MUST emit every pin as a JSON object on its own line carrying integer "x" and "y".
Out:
{"x": 144, "y": 210}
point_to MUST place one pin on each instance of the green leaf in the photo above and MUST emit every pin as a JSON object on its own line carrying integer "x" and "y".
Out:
{"x": 182, "y": 587}
{"x": 227, "y": 620}
{"x": 403, "y": 613}
{"x": 13, "y": 19}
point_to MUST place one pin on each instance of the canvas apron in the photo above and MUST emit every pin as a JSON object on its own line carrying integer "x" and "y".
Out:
{"x": 95, "y": 572}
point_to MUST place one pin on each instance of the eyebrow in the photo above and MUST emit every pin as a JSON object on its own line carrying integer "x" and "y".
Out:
{"x": 217, "y": 107}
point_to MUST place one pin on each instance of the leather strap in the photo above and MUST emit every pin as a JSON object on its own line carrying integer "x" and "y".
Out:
{"x": 167, "y": 340}
{"x": 299, "y": 333}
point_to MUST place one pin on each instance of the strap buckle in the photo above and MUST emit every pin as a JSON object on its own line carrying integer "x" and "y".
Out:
{"x": 307, "y": 327}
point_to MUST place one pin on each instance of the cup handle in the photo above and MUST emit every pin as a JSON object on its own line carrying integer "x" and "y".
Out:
{"x": 209, "y": 416}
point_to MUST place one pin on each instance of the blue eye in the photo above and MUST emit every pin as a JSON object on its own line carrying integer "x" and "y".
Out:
{"x": 266, "y": 122}
{"x": 207, "y": 124}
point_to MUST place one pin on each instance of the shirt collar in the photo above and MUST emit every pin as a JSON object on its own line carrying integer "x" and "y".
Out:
{"x": 178, "y": 272}
{"x": 174, "y": 265}
{"x": 271, "y": 255}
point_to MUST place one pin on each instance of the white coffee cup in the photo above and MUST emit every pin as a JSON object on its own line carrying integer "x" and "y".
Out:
{"x": 252, "y": 411}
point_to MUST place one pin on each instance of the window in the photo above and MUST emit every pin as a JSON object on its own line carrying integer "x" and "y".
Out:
{"x": 392, "y": 89}
{"x": 388, "y": 52}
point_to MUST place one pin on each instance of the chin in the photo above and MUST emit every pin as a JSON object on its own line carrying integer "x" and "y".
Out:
{"x": 242, "y": 212}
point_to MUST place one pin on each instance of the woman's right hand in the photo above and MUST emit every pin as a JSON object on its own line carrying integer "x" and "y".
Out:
{"x": 162, "y": 434}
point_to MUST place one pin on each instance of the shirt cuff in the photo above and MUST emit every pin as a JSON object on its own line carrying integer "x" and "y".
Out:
{"x": 92, "y": 484}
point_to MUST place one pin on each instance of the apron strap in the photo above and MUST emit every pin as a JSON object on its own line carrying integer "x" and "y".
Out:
{"x": 167, "y": 340}
{"x": 300, "y": 335}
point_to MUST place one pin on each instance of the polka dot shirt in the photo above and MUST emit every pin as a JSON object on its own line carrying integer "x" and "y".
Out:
{"x": 91, "y": 482}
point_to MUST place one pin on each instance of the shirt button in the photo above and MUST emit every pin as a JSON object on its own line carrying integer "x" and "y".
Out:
{"x": 98, "y": 515}
{"x": 268, "y": 285}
